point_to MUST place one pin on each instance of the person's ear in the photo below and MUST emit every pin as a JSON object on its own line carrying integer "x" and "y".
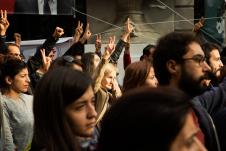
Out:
{"x": 172, "y": 66}
{"x": 8, "y": 80}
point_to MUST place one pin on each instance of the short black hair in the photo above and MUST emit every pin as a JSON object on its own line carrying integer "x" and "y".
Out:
{"x": 146, "y": 50}
{"x": 172, "y": 46}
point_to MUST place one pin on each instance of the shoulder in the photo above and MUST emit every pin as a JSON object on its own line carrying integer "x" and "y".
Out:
{"x": 26, "y": 96}
{"x": 28, "y": 99}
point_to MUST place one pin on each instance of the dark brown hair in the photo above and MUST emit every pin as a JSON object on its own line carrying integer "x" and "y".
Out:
{"x": 136, "y": 75}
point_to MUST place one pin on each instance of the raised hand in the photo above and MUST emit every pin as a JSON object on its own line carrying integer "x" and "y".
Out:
{"x": 109, "y": 49}
{"x": 78, "y": 32}
{"x": 4, "y": 24}
{"x": 98, "y": 43}
{"x": 87, "y": 34}
{"x": 17, "y": 38}
{"x": 199, "y": 24}
{"x": 128, "y": 26}
{"x": 46, "y": 60}
{"x": 58, "y": 32}
{"x": 127, "y": 30}
{"x": 116, "y": 89}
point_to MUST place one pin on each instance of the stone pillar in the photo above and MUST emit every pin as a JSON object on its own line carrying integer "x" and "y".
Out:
{"x": 133, "y": 9}
{"x": 186, "y": 9}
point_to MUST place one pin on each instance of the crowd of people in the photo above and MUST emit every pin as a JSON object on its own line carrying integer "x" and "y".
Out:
{"x": 173, "y": 99}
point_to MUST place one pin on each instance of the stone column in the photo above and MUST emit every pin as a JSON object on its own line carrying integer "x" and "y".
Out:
{"x": 133, "y": 8}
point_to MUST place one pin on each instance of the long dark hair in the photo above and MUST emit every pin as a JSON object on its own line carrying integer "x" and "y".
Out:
{"x": 136, "y": 75}
{"x": 57, "y": 89}
{"x": 88, "y": 61}
{"x": 144, "y": 119}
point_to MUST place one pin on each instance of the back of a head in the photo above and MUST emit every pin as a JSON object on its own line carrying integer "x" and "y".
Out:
{"x": 172, "y": 46}
{"x": 57, "y": 89}
{"x": 136, "y": 75}
{"x": 145, "y": 119}
{"x": 147, "y": 51}
{"x": 65, "y": 61}
{"x": 88, "y": 61}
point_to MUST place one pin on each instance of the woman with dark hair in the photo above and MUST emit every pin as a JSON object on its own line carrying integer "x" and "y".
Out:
{"x": 90, "y": 61}
{"x": 67, "y": 61}
{"x": 137, "y": 74}
{"x": 158, "y": 119}
{"x": 17, "y": 106}
{"x": 64, "y": 110}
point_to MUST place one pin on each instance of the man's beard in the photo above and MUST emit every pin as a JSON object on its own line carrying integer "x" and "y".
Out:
{"x": 213, "y": 77}
{"x": 191, "y": 86}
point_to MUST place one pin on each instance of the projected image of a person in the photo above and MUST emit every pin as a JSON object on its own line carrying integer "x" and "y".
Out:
{"x": 50, "y": 7}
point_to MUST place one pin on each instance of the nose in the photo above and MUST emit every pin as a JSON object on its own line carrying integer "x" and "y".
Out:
{"x": 221, "y": 64}
{"x": 28, "y": 79}
{"x": 91, "y": 111}
{"x": 206, "y": 67}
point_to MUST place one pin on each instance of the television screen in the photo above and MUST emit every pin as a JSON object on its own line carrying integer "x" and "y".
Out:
{"x": 41, "y": 7}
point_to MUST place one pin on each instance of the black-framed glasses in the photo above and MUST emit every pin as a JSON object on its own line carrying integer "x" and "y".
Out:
{"x": 197, "y": 58}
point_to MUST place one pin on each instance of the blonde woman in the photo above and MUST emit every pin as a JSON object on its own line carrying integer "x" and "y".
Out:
{"x": 106, "y": 89}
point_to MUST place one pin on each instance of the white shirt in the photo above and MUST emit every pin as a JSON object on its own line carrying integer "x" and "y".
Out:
{"x": 52, "y": 5}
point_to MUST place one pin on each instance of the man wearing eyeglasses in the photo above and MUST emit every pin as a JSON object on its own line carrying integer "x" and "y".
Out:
{"x": 180, "y": 62}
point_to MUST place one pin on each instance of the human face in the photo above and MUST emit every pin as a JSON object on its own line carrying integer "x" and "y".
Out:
{"x": 151, "y": 79}
{"x": 96, "y": 60}
{"x": 215, "y": 62}
{"x": 108, "y": 79}
{"x": 81, "y": 114}
{"x": 20, "y": 83}
{"x": 193, "y": 73}
{"x": 187, "y": 139}
{"x": 14, "y": 51}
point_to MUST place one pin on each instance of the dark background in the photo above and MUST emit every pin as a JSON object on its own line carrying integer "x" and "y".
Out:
{"x": 34, "y": 26}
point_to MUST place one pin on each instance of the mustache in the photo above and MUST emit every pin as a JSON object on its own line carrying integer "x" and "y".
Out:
{"x": 206, "y": 76}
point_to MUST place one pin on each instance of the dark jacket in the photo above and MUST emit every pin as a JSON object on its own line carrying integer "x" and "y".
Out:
{"x": 35, "y": 62}
{"x": 118, "y": 50}
{"x": 3, "y": 46}
{"x": 220, "y": 123}
{"x": 205, "y": 107}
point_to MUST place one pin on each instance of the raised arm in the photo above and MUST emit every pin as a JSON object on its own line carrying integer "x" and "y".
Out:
{"x": 17, "y": 38}
{"x": 49, "y": 43}
{"x": 78, "y": 48}
{"x": 198, "y": 25}
{"x": 109, "y": 49}
{"x": 121, "y": 43}
{"x": 98, "y": 45}
{"x": 4, "y": 25}
{"x": 78, "y": 32}
{"x": 126, "y": 56}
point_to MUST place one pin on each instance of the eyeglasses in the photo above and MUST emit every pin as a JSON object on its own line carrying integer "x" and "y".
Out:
{"x": 197, "y": 58}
